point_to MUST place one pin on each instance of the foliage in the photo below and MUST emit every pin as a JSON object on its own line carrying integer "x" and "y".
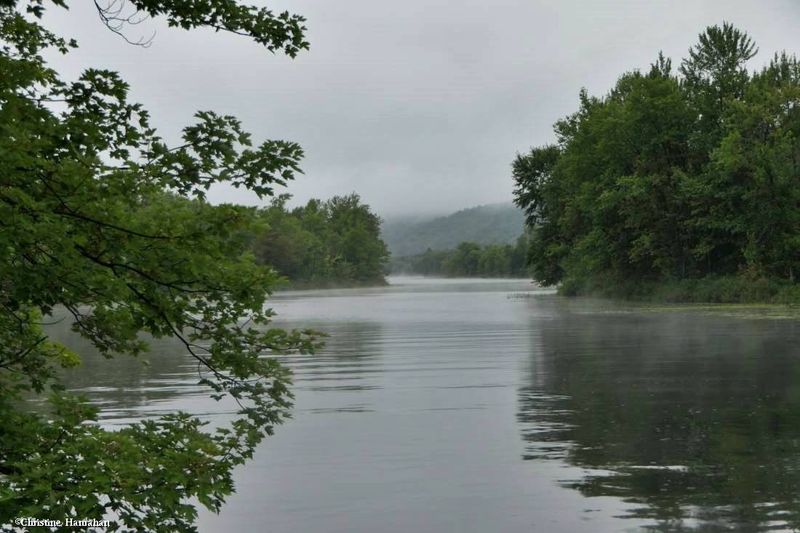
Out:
{"x": 332, "y": 242}
{"x": 672, "y": 176}
{"x": 469, "y": 259}
{"x": 100, "y": 217}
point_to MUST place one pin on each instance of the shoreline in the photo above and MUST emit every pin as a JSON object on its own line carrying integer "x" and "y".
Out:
{"x": 717, "y": 290}
{"x": 311, "y": 286}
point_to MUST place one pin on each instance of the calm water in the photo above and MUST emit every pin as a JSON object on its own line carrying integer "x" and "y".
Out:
{"x": 493, "y": 406}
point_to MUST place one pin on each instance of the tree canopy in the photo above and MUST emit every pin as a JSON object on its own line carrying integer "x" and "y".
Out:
{"x": 101, "y": 218}
{"x": 335, "y": 242}
{"x": 672, "y": 175}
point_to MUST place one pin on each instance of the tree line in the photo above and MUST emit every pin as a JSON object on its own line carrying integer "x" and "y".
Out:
{"x": 469, "y": 259}
{"x": 333, "y": 242}
{"x": 684, "y": 177}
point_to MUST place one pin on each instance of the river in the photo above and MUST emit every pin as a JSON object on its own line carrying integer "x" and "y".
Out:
{"x": 491, "y": 405}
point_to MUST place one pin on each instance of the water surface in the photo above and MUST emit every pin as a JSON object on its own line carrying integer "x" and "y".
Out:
{"x": 490, "y": 405}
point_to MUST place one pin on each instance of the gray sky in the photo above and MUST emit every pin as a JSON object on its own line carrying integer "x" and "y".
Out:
{"x": 419, "y": 106}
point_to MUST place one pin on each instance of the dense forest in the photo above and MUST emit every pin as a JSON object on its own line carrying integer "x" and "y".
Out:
{"x": 485, "y": 224}
{"x": 678, "y": 184}
{"x": 335, "y": 242}
{"x": 468, "y": 259}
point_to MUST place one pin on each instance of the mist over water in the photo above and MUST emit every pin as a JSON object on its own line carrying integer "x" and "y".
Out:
{"x": 475, "y": 405}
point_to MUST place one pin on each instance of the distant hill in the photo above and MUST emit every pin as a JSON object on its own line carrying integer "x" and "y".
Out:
{"x": 486, "y": 224}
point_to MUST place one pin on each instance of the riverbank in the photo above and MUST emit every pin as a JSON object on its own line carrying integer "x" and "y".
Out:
{"x": 440, "y": 276}
{"x": 332, "y": 284}
{"x": 717, "y": 289}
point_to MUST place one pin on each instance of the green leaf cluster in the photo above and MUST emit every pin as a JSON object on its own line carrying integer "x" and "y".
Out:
{"x": 100, "y": 217}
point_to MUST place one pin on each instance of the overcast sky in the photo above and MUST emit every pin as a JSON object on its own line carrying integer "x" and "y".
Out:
{"x": 419, "y": 106}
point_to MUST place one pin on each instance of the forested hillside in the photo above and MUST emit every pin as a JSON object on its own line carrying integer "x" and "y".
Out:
{"x": 486, "y": 224}
{"x": 677, "y": 184}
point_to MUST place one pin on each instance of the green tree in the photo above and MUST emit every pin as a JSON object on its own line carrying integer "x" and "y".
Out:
{"x": 495, "y": 261}
{"x": 100, "y": 217}
{"x": 714, "y": 73}
{"x": 463, "y": 261}
{"x": 323, "y": 243}
{"x": 355, "y": 230}
{"x": 283, "y": 243}
{"x": 671, "y": 177}
{"x": 519, "y": 256}
{"x": 537, "y": 193}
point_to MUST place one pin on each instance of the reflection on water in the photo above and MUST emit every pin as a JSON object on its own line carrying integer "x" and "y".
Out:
{"x": 692, "y": 417}
{"x": 129, "y": 388}
{"x": 475, "y": 405}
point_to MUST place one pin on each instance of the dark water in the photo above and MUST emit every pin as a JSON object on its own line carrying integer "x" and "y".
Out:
{"x": 490, "y": 406}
